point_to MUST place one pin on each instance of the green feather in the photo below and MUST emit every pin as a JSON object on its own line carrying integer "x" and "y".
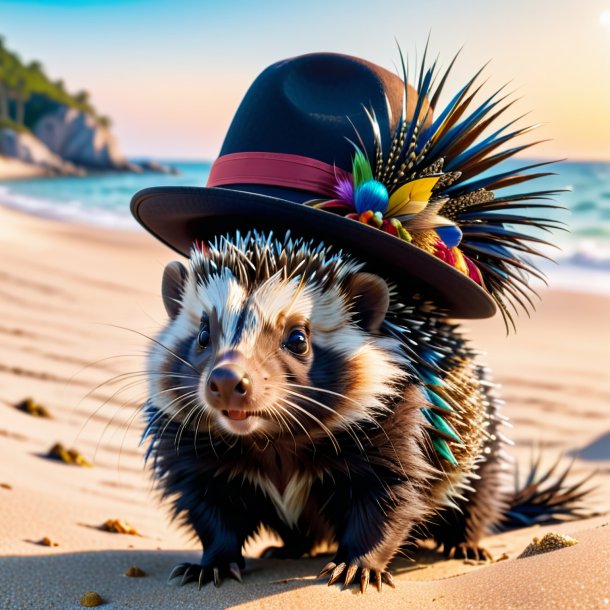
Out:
{"x": 440, "y": 425}
{"x": 361, "y": 169}
{"x": 437, "y": 401}
{"x": 442, "y": 448}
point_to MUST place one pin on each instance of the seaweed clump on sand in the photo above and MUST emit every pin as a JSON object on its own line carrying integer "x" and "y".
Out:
{"x": 31, "y": 407}
{"x": 46, "y": 541}
{"x": 549, "y": 542}
{"x": 91, "y": 599}
{"x": 134, "y": 572}
{"x": 69, "y": 456}
{"x": 118, "y": 526}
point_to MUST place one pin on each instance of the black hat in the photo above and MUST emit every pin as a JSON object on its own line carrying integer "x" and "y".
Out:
{"x": 340, "y": 150}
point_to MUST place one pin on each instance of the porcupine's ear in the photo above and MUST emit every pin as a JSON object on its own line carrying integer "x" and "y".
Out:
{"x": 370, "y": 297}
{"x": 172, "y": 285}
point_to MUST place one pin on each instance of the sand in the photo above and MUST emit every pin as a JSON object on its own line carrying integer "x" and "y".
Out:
{"x": 15, "y": 169}
{"x": 64, "y": 290}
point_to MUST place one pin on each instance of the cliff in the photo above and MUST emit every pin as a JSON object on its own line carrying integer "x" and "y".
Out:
{"x": 23, "y": 148}
{"x": 78, "y": 138}
{"x": 65, "y": 142}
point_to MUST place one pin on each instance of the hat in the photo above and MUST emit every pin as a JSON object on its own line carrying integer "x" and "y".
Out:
{"x": 337, "y": 149}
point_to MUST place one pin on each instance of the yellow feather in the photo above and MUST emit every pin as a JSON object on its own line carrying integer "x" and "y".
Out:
{"x": 460, "y": 263}
{"x": 413, "y": 197}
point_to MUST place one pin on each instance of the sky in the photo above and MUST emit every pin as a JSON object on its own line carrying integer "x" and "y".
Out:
{"x": 171, "y": 73}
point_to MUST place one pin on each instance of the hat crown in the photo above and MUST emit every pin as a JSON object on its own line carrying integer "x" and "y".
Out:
{"x": 312, "y": 105}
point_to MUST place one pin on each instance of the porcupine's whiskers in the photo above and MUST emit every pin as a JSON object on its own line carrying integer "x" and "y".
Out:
{"x": 137, "y": 412}
{"x": 173, "y": 417}
{"x": 316, "y": 420}
{"x": 122, "y": 376}
{"x": 346, "y": 425}
{"x": 282, "y": 410}
{"x": 145, "y": 374}
{"x": 277, "y": 416}
{"x": 349, "y": 426}
{"x": 156, "y": 342}
{"x": 193, "y": 410}
{"x": 119, "y": 408}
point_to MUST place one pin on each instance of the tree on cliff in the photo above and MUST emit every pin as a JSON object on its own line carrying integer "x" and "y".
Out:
{"x": 26, "y": 92}
{"x": 4, "y": 90}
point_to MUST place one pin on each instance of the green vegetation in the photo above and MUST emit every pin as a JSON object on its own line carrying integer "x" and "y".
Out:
{"x": 26, "y": 93}
{"x": 10, "y": 124}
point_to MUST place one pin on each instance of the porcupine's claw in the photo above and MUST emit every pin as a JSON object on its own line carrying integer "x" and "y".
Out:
{"x": 466, "y": 550}
{"x": 349, "y": 575}
{"x": 378, "y": 576}
{"x": 365, "y": 576}
{"x": 334, "y": 577}
{"x": 387, "y": 579}
{"x": 331, "y": 565}
{"x": 178, "y": 570}
{"x": 205, "y": 574}
{"x": 235, "y": 572}
{"x": 190, "y": 574}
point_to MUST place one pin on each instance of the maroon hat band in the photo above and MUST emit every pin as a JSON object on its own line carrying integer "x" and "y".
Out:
{"x": 277, "y": 169}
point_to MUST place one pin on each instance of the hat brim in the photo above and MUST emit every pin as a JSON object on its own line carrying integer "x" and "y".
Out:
{"x": 178, "y": 216}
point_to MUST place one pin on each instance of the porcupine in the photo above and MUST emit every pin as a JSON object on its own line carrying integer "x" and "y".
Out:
{"x": 296, "y": 391}
{"x": 298, "y": 386}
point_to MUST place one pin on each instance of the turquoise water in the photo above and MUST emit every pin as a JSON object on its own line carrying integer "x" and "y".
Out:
{"x": 104, "y": 200}
{"x": 100, "y": 199}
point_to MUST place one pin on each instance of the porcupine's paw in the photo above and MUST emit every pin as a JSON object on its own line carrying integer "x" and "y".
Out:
{"x": 207, "y": 573}
{"x": 348, "y": 572}
{"x": 467, "y": 550}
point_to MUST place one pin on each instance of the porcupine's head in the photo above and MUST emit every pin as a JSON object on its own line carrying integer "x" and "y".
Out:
{"x": 269, "y": 337}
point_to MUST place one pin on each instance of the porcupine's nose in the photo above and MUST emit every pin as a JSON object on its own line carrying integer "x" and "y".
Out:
{"x": 229, "y": 385}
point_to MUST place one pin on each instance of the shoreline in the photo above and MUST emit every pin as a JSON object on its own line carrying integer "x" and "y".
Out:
{"x": 564, "y": 276}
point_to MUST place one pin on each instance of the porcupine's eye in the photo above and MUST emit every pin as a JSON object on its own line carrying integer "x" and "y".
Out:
{"x": 203, "y": 338}
{"x": 297, "y": 342}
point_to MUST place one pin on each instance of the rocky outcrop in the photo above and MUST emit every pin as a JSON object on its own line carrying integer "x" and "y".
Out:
{"x": 77, "y": 137}
{"x": 29, "y": 150}
{"x": 160, "y": 168}
{"x": 68, "y": 142}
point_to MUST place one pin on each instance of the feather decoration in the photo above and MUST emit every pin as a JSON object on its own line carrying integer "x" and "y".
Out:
{"x": 412, "y": 197}
{"x": 361, "y": 168}
{"x": 437, "y": 175}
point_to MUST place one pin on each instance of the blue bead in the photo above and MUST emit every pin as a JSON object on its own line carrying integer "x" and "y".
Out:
{"x": 371, "y": 195}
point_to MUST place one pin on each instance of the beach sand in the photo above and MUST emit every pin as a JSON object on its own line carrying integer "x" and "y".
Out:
{"x": 67, "y": 295}
{"x": 15, "y": 169}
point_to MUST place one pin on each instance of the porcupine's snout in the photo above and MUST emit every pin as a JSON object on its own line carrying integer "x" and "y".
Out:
{"x": 229, "y": 393}
{"x": 228, "y": 387}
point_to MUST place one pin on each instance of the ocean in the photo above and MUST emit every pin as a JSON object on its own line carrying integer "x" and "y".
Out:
{"x": 583, "y": 260}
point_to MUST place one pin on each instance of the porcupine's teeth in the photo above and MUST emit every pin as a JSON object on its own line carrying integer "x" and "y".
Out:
{"x": 235, "y": 414}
